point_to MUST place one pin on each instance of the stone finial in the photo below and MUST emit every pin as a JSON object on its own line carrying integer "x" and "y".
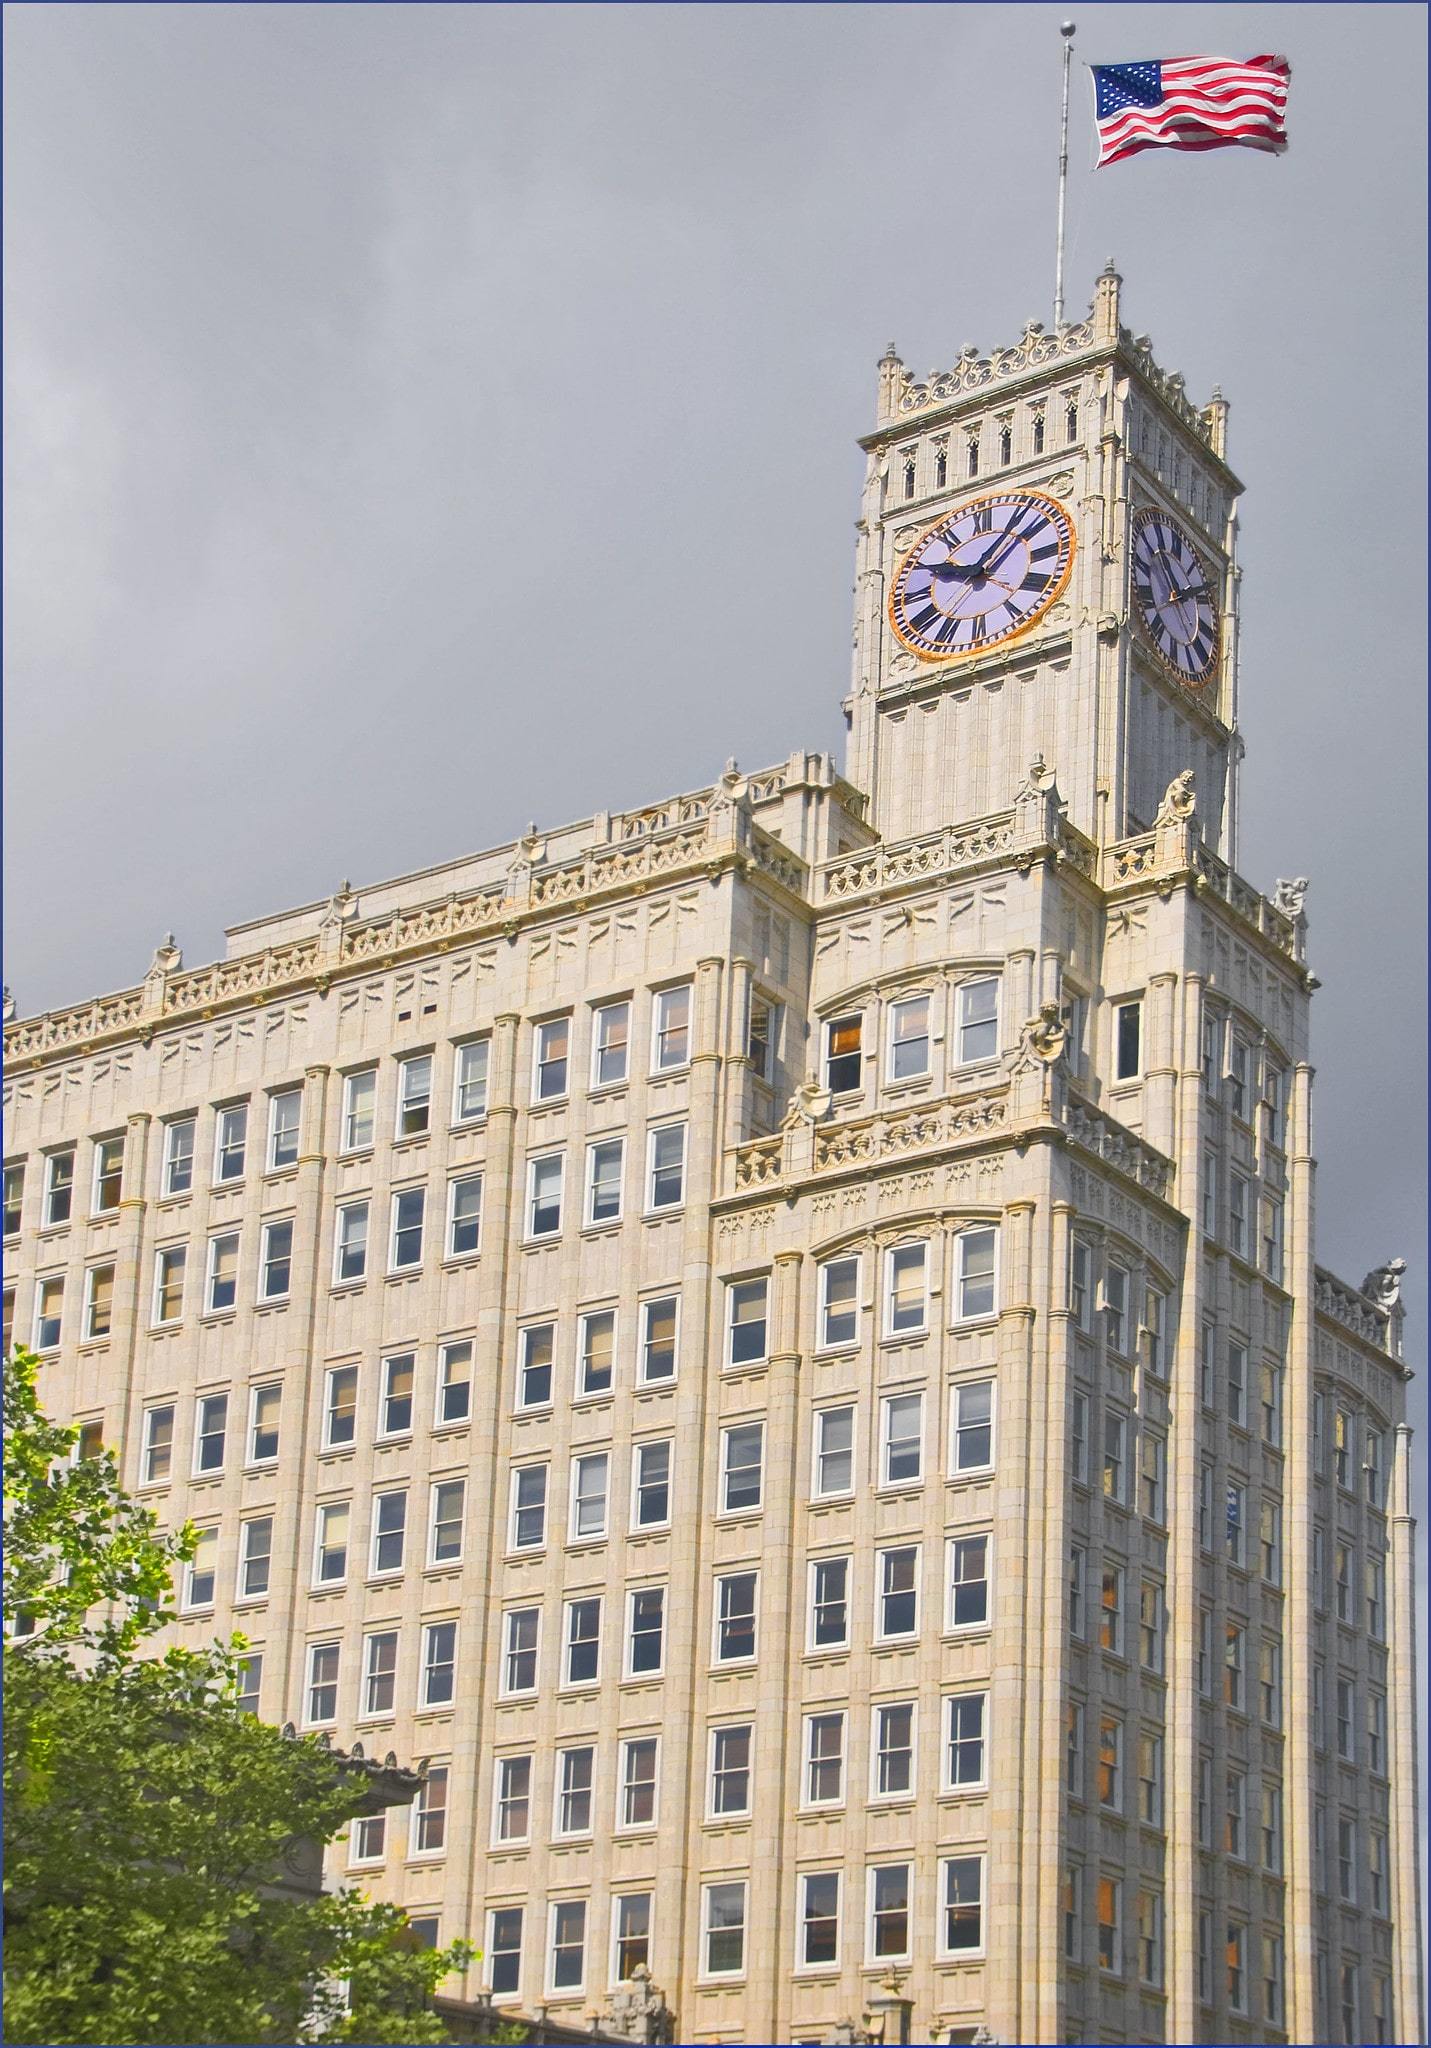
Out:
{"x": 1037, "y": 782}
{"x": 808, "y": 1105}
{"x": 1383, "y": 1283}
{"x": 7, "y": 1005}
{"x": 340, "y": 906}
{"x": 1179, "y": 800}
{"x": 1290, "y": 896}
{"x": 891, "y": 353}
{"x": 168, "y": 958}
{"x": 1105, "y": 303}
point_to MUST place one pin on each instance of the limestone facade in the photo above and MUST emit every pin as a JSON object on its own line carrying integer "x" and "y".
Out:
{"x": 775, "y": 1339}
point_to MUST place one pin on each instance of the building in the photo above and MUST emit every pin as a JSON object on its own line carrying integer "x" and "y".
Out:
{"x": 775, "y": 1339}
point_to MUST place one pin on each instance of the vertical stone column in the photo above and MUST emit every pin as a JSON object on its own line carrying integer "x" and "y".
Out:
{"x": 1160, "y": 1062}
{"x": 1299, "y": 1623}
{"x": 1408, "y": 2020}
{"x": 778, "y": 1707}
{"x": 738, "y": 1085}
{"x": 127, "y": 1312}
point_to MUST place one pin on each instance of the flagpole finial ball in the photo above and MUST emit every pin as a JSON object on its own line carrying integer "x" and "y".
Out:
{"x": 1066, "y": 28}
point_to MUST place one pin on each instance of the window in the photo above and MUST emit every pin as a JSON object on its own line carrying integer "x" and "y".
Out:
{"x": 746, "y": 1312}
{"x": 1128, "y": 1041}
{"x": 179, "y": 1157}
{"x": 1203, "y": 1816}
{"x": 978, "y": 1021}
{"x": 651, "y": 1486}
{"x": 521, "y": 1633}
{"x": 1271, "y": 1827}
{"x": 658, "y": 1340}
{"x": 429, "y": 1814}
{"x": 1110, "y": 1763}
{"x": 221, "y": 1283}
{"x": 1080, "y": 1269}
{"x": 504, "y": 1950}
{"x": 671, "y": 1041}
{"x": 908, "y": 1039}
{"x": 906, "y": 1289}
{"x": 59, "y": 1187}
{"x": 1071, "y": 1903}
{"x": 909, "y": 478}
{"x": 1371, "y": 1467}
{"x": 230, "y": 1143}
{"x": 968, "y": 1581}
{"x": 901, "y": 1439}
{"x": 1346, "y": 1860}
{"x": 1376, "y": 1599}
{"x": 974, "y": 1272}
{"x": 439, "y": 1664}
{"x": 445, "y": 1513}
{"x": 819, "y": 1919}
{"x": 169, "y": 1264}
{"x": 210, "y": 1430}
{"x": 1236, "y": 1523}
{"x": 761, "y": 1033}
{"x": 1152, "y": 1460}
{"x": 359, "y": 1103}
{"x": 972, "y": 1404}
{"x": 89, "y": 1443}
{"x": 389, "y": 1531}
{"x": 108, "y": 1176}
{"x": 1110, "y": 1616}
{"x": 1342, "y": 1449}
{"x": 1239, "y": 1056}
{"x": 99, "y": 1302}
{"x": 971, "y": 455}
{"x": 889, "y": 1912}
{"x": 1073, "y": 1747}
{"x": 941, "y": 465}
{"x": 730, "y": 1770}
{"x": 1150, "y": 1937}
{"x": 330, "y": 1550}
{"x": 341, "y": 1410}
{"x": 454, "y": 1384}
{"x": 605, "y": 1167}
{"x": 395, "y": 1412}
{"x": 568, "y": 1961}
{"x": 1346, "y": 1714}
{"x": 158, "y": 1455}
{"x": 637, "y": 1797}
{"x": 1271, "y": 1402}
{"x": 1115, "y": 1456}
{"x": 1350, "y": 2030}
{"x": 1237, "y": 1214}
{"x": 842, "y": 1055}
{"x": 199, "y": 1573}
{"x": 893, "y": 1751}
{"x": 898, "y": 1598}
{"x": 735, "y": 1617}
{"x": 414, "y": 1096}
{"x": 275, "y": 1271}
{"x": 1115, "y": 1307}
{"x": 1232, "y": 1667}
{"x": 723, "y": 1929}
{"x": 588, "y": 1497}
{"x": 645, "y": 1635}
{"x": 742, "y": 1456}
{"x": 1152, "y": 1625}
{"x": 552, "y": 1044}
{"x": 529, "y": 1507}
{"x": 15, "y": 1197}
{"x": 824, "y": 1759}
{"x": 380, "y": 1672}
{"x": 469, "y": 1081}
{"x": 666, "y": 1167}
{"x": 962, "y": 1923}
{"x": 1150, "y": 1778}
{"x": 1269, "y": 1680}
{"x": 1077, "y": 1567}
{"x": 1209, "y": 1194}
{"x": 283, "y": 1116}
{"x": 1271, "y": 1541}
{"x": 1110, "y": 1925}
{"x": 1377, "y": 1872}
{"x": 829, "y": 1603}
{"x": 581, "y": 1642}
{"x": 250, "y": 1682}
{"x": 1272, "y": 1240}
{"x": 1078, "y": 1432}
{"x": 405, "y": 1247}
{"x": 534, "y": 1371}
{"x": 1344, "y": 1568}
{"x": 464, "y": 1216}
{"x": 610, "y": 1044}
{"x": 544, "y": 1191}
{"x": 322, "y": 1682}
{"x": 964, "y": 1760}
{"x": 1205, "y": 1482}
{"x": 834, "y": 1452}
{"x": 839, "y": 1302}
{"x": 369, "y": 1839}
{"x": 631, "y": 1934}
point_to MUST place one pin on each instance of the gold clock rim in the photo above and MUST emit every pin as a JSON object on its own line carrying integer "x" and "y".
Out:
{"x": 1027, "y": 625}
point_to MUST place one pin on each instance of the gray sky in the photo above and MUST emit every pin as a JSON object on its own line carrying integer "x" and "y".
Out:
{"x": 424, "y": 419}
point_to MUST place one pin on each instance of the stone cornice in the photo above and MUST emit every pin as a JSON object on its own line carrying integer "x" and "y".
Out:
{"x": 1171, "y": 856}
{"x": 1340, "y": 1303}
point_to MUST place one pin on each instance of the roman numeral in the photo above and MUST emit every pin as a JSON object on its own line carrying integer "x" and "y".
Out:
{"x": 923, "y": 619}
{"x": 983, "y": 516}
{"x": 1034, "y": 585}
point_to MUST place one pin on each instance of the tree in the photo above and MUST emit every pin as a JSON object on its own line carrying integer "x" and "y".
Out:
{"x": 148, "y": 1818}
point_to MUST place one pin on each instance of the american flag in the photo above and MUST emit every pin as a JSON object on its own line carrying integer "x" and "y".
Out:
{"x": 1190, "y": 103}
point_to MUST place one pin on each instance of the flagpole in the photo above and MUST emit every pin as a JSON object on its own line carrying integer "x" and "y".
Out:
{"x": 1066, "y": 31}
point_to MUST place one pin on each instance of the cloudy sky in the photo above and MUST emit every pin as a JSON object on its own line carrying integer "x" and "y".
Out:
{"x": 423, "y": 419}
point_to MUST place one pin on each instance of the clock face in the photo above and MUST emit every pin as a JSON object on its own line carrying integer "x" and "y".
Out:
{"x": 1174, "y": 598}
{"x": 985, "y": 572}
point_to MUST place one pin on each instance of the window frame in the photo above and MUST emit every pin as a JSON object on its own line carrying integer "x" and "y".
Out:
{"x": 892, "y": 1330}
{"x": 965, "y": 1024}
{"x": 410, "y": 1101}
{"x": 279, "y": 1130}
{"x": 558, "y": 1064}
{"x": 600, "y": 1012}
{"x": 461, "y": 1116}
{"x": 457, "y": 1185}
{"x": 661, "y": 1030}
{"x": 352, "y": 1113}
{"x": 971, "y": 1951}
{"x": 957, "y": 1391}
{"x": 654, "y": 1138}
{"x": 826, "y": 1268}
{"x": 530, "y": 1234}
{"x": 921, "y": 1003}
{"x": 415, "y": 1192}
{"x": 593, "y": 1185}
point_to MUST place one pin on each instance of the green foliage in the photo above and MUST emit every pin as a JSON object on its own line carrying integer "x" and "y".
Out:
{"x": 149, "y": 1820}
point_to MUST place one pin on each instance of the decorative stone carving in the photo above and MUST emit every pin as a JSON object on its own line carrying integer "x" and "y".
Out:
{"x": 1291, "y": 895}
{"x": 846, "y": 2034}
{"x": 168, "y": 958}
{"x": 1383, "y": 1283}
{"x": 7, "y": 1005}
{"x": 342, "y": 905}
{"x": 1179, "y": 800}
{"x": 637, "y": 2010}
{"x": 810, "y": 1104}
{"x": 1043, "y": 1038}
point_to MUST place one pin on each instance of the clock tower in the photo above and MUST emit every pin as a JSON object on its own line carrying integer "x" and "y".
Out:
{"x": 1046, "y": 568}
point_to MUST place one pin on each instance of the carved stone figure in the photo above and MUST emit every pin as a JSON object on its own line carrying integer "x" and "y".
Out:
{"x": 7, "y": 1005}
{"x": 1383, "y": 1283}
{"x": 1179, "y": 800}
{"x": 809, "y": 1104}
{"x": 341, "y": 906}
{"x": 1291, "y": 895}
{"x": 638, "y": 2010}
{"x": 1043, "y": 1039}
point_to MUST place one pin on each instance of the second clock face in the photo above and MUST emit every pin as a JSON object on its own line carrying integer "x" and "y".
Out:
{"x": 984, "y": 573}
{"x": 1174, "y": 597}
